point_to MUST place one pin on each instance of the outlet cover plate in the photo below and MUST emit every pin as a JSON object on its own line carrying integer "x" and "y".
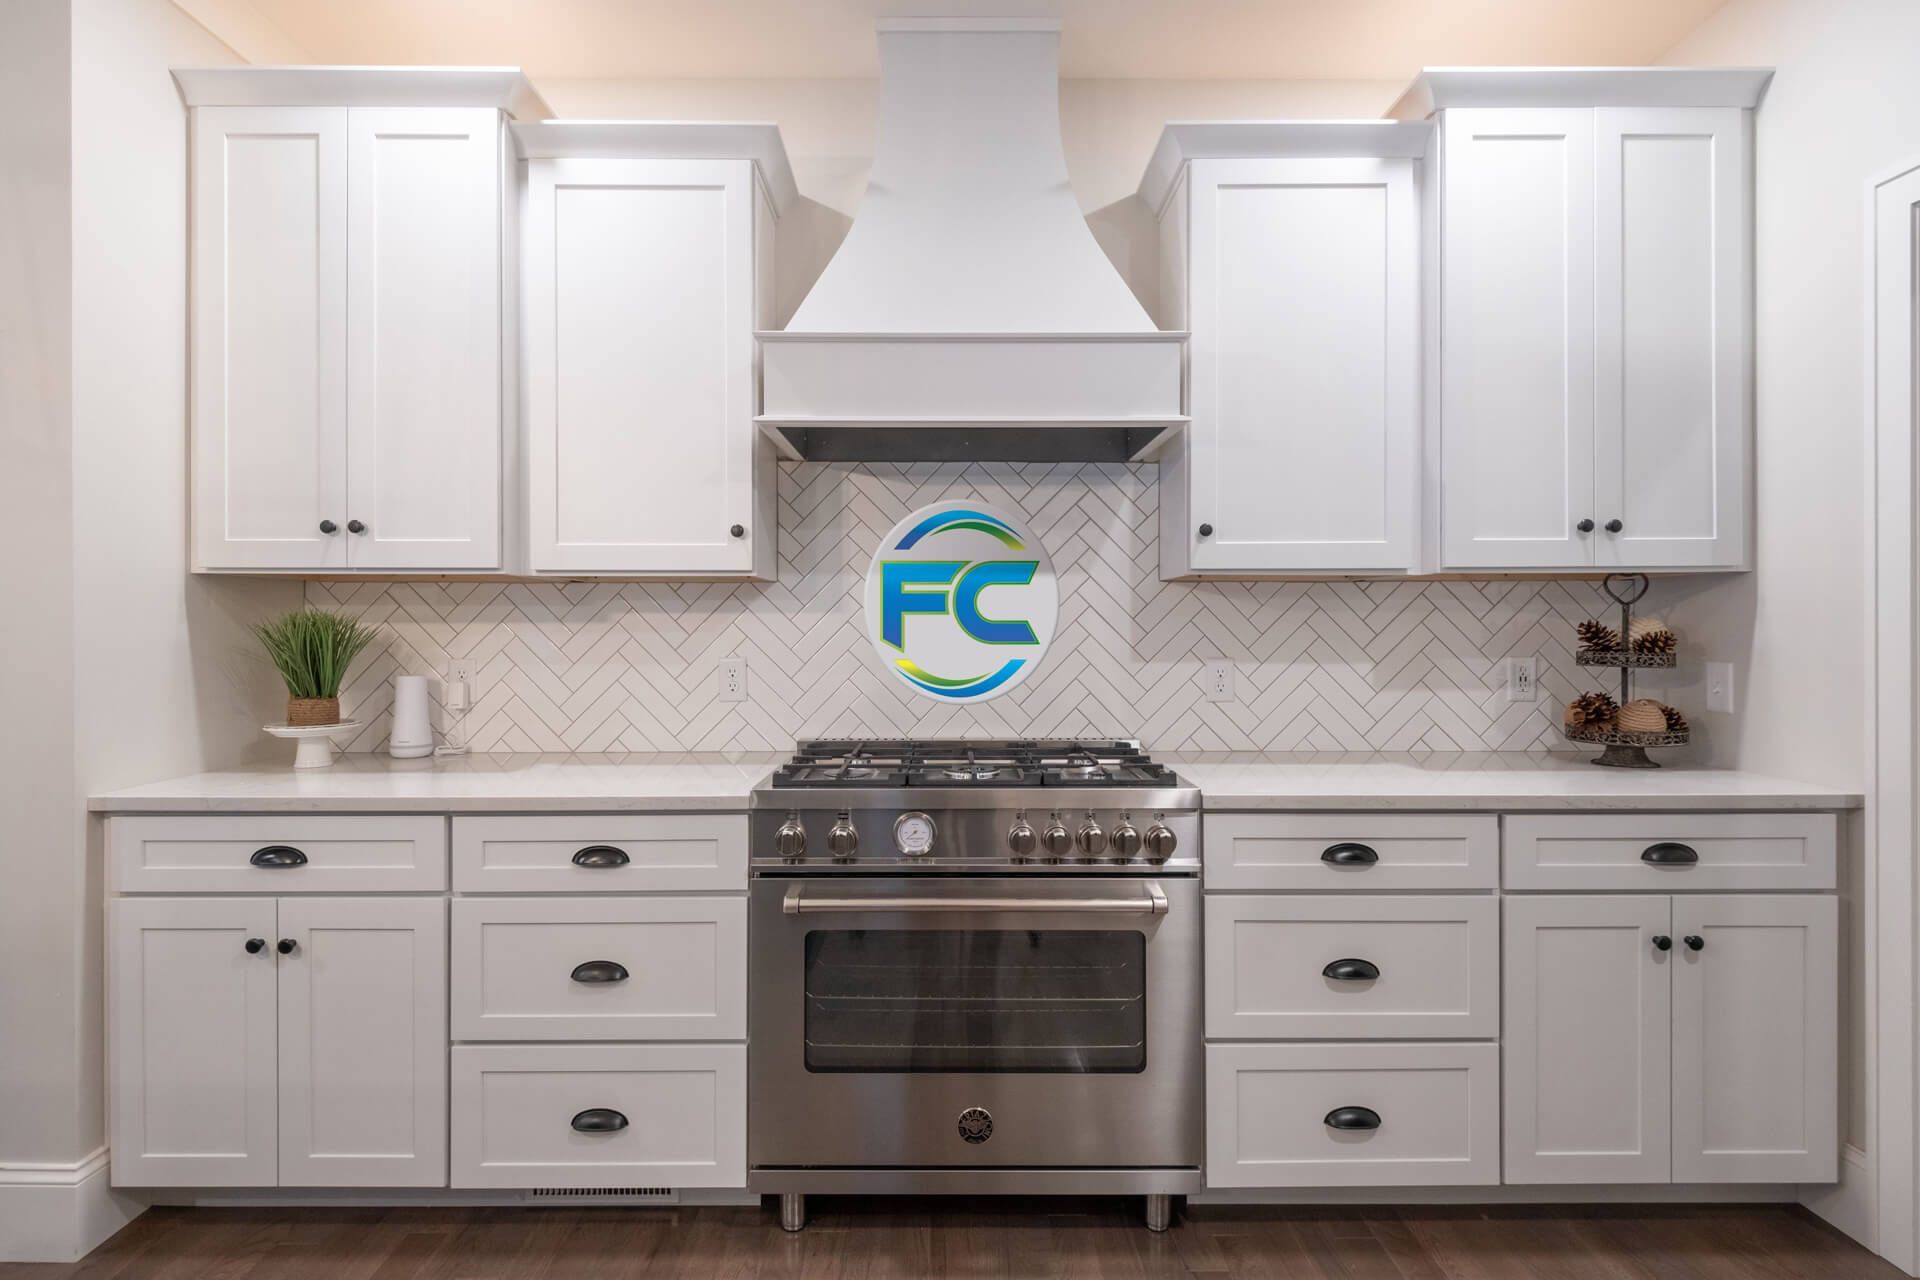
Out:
{"x": 1720, "y": 686}
{"x": 733, "y": 680}
{"x": 1219, "y": 681}
{"x": 1523, "y": 679}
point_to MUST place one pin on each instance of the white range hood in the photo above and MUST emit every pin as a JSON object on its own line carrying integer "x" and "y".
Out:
{"x": 969, "y": 313}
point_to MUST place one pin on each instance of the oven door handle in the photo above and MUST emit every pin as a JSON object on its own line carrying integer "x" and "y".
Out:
{"x": 797, "y": 902}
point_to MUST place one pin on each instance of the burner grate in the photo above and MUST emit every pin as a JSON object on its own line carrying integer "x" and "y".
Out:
{"x": 947, "y": 762}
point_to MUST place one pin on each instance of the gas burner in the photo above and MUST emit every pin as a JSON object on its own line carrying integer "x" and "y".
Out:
{"x": 947, "y": 762}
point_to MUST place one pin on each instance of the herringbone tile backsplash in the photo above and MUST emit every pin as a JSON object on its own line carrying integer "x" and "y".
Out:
{"x": 1386, "y": 666}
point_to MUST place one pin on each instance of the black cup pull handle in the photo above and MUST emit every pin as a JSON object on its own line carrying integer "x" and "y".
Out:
{"x": 1353, "y": 1118}
{"x": 1349, "y": 854}
{"x": 278, "y": 855}
{"x": 1351, "y": 970}
{"x": 1669, "y": 853}
{"x": 601, "y": 855}
{"x": 599, "y": 1120}
{"x": 600, "y": 971}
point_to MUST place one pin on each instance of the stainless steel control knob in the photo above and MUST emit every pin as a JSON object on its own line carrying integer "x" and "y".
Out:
{"x": 1092, "y": 840}
{"x": 1161, "y": 842}
{"x": 842, "y": 841}
{"x": 1056, "y": 842}
{"x": 790, "y": 841}
{"x": 1022, "y": 840}
{"x": 1124, "y": 840}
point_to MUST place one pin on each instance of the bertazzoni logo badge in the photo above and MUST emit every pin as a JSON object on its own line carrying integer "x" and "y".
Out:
{"x": 961, "y": 602}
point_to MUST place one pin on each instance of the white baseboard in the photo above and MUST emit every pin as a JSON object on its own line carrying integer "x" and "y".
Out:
{"x": 60, "y": 1212}
{"x": 1847, "y": 1204}
{"x": 1649, "y": 1193}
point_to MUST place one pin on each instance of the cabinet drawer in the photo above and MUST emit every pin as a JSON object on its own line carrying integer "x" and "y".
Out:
{"x": 1348, "y": 852}
{"x": 657, "y": 969}
{"x": 1671, "y": 851}
{"x": 278, "y": 854}
{"x": 1294, "y": 966}
{"x": 1271, "y": 1108}
{"x": 600, "y": 1115}
{"x": 608, "y": 853}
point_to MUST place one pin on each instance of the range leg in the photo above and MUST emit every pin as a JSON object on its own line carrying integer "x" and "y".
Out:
{"x": 793, "y": 1210}
{"x": 1159, "y": 1212}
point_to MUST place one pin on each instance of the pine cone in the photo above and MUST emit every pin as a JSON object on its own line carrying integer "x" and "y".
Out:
{"x": 1591, "y": 711}
{"x": 1676, "y": 723}
{"x": 1595, "y": 634}
{"x": 1660, "y": 641}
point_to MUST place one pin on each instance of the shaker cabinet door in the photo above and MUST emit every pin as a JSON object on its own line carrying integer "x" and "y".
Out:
{"x": 1517, "y": 338}
{"x": 363, "y": 1042}
{"x": 1586, "y": 1038}
{"x": 423, "y": 324}
{"x": 1755, "y": 1038}
{"x": 640, "y": 303}
{"x": 1673, "y": 336}
{"x": 269, "y": 330}
{"x": 1304, "y": 290}
{"x": 191, "y": 1041}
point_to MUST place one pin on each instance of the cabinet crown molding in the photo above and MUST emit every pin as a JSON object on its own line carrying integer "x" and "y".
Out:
{"x": 1437, "y": 88}
{"x": 1185, "y": 140}
{"x": 665, "y": 140}
{"x": 503, "y": 88}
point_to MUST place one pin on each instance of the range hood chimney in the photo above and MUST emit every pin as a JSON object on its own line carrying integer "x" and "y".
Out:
{"x": 969, "y": 313}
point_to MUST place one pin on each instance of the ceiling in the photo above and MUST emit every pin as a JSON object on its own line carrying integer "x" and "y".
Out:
{"x": 1130, "y": 39}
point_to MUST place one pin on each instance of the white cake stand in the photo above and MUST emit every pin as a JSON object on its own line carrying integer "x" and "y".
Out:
{"x": 315, "y": 751}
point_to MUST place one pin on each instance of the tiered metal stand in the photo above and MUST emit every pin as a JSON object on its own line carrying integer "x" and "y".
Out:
{"x": 1625, "y": 750}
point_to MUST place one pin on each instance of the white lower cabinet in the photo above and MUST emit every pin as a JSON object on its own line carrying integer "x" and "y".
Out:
{"x": 258, "y": 1042}
{"x": 1344, "y": 1115}
{"x": 582, "y": 1116}
{"x": 1656, "y": 1038}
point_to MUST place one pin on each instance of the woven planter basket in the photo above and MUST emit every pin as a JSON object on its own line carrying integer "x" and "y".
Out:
{"x": 312, "y": 711}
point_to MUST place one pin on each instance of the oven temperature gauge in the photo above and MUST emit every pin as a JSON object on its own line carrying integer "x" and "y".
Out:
{"x": 913, "y": 834}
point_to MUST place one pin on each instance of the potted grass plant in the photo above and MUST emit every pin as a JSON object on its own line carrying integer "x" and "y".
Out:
{"x": 312, "y": 650}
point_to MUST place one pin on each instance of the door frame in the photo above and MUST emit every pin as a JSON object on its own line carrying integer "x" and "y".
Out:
{"x": 1890, "y": 1210}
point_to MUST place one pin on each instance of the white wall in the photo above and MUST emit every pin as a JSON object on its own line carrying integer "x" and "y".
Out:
{"x": 1108, "y": 129}
{"x": 131, "y": 669}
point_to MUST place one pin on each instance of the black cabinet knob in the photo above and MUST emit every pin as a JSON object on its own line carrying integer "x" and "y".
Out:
{"x": 1694, "y": 942}
{"x": 1351, "y": 970}
{"x": 1661, "y": 942}
{"x": 328, "y": 526}
{"x": 599, "y": 1120}
{"x": 1206, "y": 531}
{"x": 1614, "y": 525}
{"x": 600, "y": 971}
{"x": 738, "y": 531}
{"x": 256, "y": 945}
{"x": 278, "y": 855}
{"x": 1352, "y": 1118}
{"x": 1349, "y": 854}
{"x": 1669, "y": 853}
{"x": 1585, "y": 526}
{"x": 286, "y": 947}
{"x": 356, "y": 526}
{"x": 601, "y": 855}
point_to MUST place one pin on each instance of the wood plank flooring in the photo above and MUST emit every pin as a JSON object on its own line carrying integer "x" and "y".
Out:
{"x": 925, "y": 1239}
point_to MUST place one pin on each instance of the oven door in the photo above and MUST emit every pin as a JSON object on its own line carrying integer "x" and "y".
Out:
{"x": 929, "y": 1021}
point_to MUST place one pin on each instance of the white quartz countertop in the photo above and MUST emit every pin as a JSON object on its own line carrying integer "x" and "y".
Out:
{"x": 511, "y": 783}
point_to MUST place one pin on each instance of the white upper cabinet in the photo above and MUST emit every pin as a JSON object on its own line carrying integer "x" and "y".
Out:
{"x": 347, "y": 357}
{"x": 646, "y": 276}
{"x": 1595, "y": 340}
{"x": 1292, "y": 253}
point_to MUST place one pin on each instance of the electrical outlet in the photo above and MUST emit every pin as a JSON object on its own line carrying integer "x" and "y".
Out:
{"x": 1720, "y": 686}
{"x": 461, "y": 671}
{"x": 1219, "y": 682}
{"x": 1522, "y": 685}
{"x": 733, "y": 680}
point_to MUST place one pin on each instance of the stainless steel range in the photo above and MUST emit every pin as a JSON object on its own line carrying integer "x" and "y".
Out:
{"x": 976, "y": 968}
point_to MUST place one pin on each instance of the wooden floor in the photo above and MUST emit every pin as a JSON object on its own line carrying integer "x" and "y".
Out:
{"x": 996, "y": 1238}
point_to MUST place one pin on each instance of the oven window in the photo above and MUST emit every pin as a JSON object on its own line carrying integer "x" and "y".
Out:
{"x": 970, "y": 1000}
